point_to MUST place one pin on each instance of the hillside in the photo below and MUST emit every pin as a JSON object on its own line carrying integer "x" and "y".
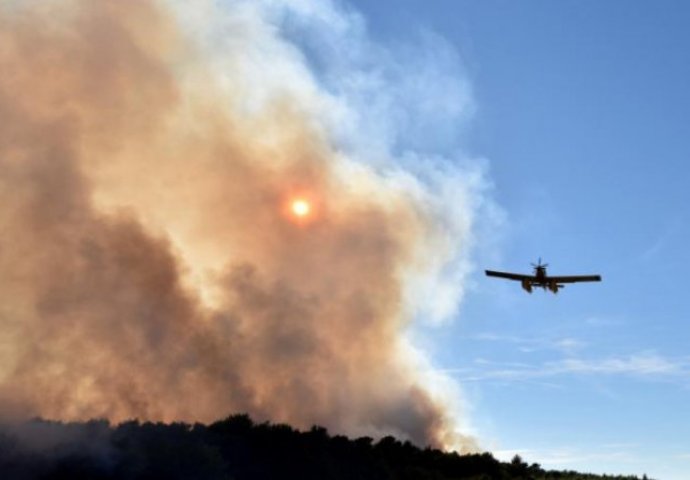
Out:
{"x": 237, "y": 449}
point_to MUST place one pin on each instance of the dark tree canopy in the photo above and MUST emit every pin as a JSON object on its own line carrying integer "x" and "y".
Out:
{"x": 238, "y": 449}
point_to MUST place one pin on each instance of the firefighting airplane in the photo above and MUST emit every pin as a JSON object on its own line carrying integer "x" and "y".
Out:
{"x": 540, "y": 279}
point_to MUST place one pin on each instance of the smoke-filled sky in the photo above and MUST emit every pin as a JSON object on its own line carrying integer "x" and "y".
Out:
{"x": 219, "y": 207}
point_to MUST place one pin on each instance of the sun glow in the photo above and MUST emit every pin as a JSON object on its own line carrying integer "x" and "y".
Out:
{"x": 300, "y": 207}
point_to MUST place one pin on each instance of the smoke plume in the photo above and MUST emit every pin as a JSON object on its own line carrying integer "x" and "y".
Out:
{"x": 151, "y": 266}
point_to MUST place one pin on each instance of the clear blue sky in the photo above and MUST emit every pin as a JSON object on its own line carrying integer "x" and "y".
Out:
{"x": 583, "y": 111}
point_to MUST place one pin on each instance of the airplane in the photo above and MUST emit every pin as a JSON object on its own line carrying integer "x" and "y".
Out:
{"x": 540, "y": 279}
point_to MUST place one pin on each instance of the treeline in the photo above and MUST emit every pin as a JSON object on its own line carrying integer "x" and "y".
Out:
{"x": 237, "y": 449}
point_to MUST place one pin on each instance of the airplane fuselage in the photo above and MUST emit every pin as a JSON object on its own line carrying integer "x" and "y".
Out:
{"x": 540, "y": 273}
{"x": 540, "y": 279}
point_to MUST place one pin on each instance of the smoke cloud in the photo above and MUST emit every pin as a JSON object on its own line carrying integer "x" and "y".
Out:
{"x": 150, "y": 265}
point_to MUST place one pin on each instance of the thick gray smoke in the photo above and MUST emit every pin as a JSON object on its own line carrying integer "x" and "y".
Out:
{"x": 152, "y": 265}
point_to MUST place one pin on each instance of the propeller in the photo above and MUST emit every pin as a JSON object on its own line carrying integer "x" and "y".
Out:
{"x": 539, "y": 264}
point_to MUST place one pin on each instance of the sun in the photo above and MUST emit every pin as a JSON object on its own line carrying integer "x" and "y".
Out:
{"x": 300, "y": 207}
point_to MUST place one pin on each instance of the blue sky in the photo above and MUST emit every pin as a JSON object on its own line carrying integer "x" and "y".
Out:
{"x": 581, "y": 108}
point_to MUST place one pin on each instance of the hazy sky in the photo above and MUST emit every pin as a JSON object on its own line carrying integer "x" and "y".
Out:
{"x": 581, "y": 109}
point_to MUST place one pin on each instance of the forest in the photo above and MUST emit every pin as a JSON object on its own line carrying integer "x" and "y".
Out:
{"x": 237, "y": 448}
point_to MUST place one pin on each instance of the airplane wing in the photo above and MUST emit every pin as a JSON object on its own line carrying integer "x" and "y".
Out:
{"x": 575, "y": 278}
{"x": 510, "y": 276}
